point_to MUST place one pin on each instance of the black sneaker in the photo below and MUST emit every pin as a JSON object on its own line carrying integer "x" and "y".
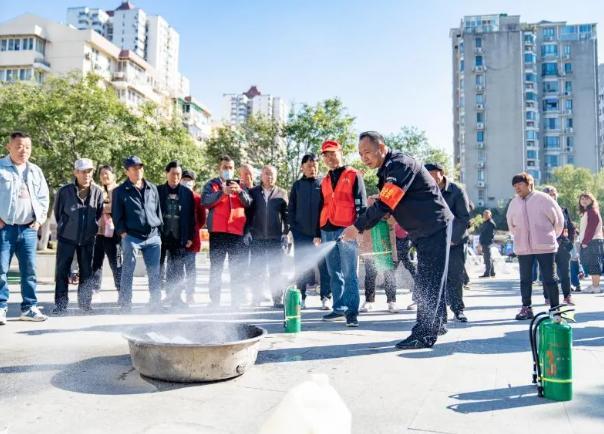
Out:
{"x": 443, "y": 330}
{"x": 413, "y": 343}
{"x": 334, "y": 316}
{"x": 125, "y": 308}
{"x": 525, "y": 313}
{"x": 352, "y": 322}
{"x": 482, "y": 276}
{"x": 58, "y": 311}
{"x": 459, "y": 316}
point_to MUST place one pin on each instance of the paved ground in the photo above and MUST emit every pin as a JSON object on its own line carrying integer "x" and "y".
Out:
{"x": 73, "y": 374}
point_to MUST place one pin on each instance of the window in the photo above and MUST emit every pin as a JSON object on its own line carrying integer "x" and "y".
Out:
{"x": 551, "y": 160}
{"x": 529, "y": 58}
{"x": 585, "y": 28}
{"x": 530, "y": 163}
{"x": 531, "y": 96}
{"x": 479, "y": 117}
{"x": 481, "y": 175}
{"x": 530, "y": 143}
{"x": 17, "y": 44}
{"x": 531, "y": 77}
{"x": 11, "y": 45}
{"x": 549, "y": 33}
{"x": 567, "y": 50}
{"x": 480, "y": 136}
{"x": 549, "y": 68}
{"x": 40, "y": 45}
{"x": 549, "y": 50}
{"x": 550, "y": 86}
{"x": 531, "y": 116}
{"x": 552, "y": 123}
{"x": 570, "y": 142}
{"x": 460, "y": 64}
{"x": 568, "y": 104}
{"x": 551, "y": 142}
{"x": 3, "y": 45}
{"x": 481, "y": 194}
{"x": 570, "y": 159}
{"x": 480, "y": 79}
{"x": 531, "y": 154}
{"x": 529, "y": 38}
{"x": 531, "y": 135}
{"x": 568, "y": 87}
{"x": 478, "y": 42}
{"x": 550, "y": 104}
{"x": 568, "y": 68}
{"x": 569, "y": 122}
{"x": 479, "y": 98}
{"x": 478, "y": 61}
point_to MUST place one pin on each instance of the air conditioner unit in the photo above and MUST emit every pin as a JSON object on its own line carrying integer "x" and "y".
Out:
{"x": 479, "y": 68}
{"x": 478, "y": 50}
{"x": 480, "y": 164}
{"x": 480, "y": 125}
{"x": 479, "y": 88}
{"x": 480, "y": 203}
{"x": 480, "y": 184}
{"x": 480, "y": 145}
{"x": 479, "y": 106}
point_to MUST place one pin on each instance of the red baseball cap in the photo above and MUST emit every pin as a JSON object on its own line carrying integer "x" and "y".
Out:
{"x": 330, "y": 145}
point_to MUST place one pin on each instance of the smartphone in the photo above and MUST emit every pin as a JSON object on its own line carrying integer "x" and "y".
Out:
{"x": 233, "y": 181}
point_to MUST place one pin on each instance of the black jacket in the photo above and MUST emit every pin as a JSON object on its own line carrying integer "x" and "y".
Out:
{"x": 267, "y": 219}
{"x": 135, "y": 212}
{"x": 77, "y": 219}
{"x": 487, "y": 233}
{"x": 458, "y": 203}
{"x": 304, "y": 207}
{"x": 408, "y": 192}
{"x": 566, "y": 242}
{"x": 187, "y": 211}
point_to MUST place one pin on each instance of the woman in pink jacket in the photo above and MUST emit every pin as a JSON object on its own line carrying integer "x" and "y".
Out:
{"x": 535, "y": 220}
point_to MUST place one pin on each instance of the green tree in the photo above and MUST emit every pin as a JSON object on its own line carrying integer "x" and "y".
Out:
{"x": 414, "y": 142}
{"x": 571, "y": 181}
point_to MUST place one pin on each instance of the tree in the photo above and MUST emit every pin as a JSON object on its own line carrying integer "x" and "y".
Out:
{"x": 414, "y": 142}
{"x": 571, "y": 181}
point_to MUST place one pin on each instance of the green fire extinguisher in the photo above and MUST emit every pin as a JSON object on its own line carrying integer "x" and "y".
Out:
{"x": 382, "y": 246}
{"x": 292, "y": 303}
{"x": 551, "y": 345}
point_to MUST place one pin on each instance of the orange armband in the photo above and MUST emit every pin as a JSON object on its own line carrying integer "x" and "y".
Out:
{"x": 391, "y": 194}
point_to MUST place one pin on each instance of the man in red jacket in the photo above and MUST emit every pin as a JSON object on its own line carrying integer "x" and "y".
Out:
{"x": 226, "y": 201}
{"x": 188, "y": 180}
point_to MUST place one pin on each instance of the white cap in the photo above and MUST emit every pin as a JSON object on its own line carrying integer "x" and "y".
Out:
{"x": 83, "y": 164}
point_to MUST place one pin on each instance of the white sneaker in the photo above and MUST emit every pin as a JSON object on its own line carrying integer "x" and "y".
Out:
{"x": 324, "y": 305}
{"x": 3, "y": 315}
{"x": 367, "y": 306}
{"x": 412, "y": 306}
{"x": 33, "y": 314}
{"x": 97, "y": 297}
{"x": 593, "y": 289}
{"x": 392, "y": 307}
{"x": 303, "y": 304}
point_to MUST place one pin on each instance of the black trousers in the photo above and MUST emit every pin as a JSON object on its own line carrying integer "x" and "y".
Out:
{"x": 303, "y": 245}
{"x": 172, "y": 269}
{"x": 221, "y": 245}
{"x": 546, "y": 266}
{"x": 64, "y": 258}
{"x": 110, "y": 247}
{"x": 429, "y": 285}
{"x": 563, "y": 269}
{"x": 371, "y": 273}
{"x": 403, "y": 251}
{"x": 489, "y": 266}
{"x": 455, "y": 277}
{"x": 267, "y": 266}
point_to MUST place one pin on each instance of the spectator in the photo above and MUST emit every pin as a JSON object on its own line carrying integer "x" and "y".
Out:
{"x": 267, "y": 230}
{"x": 536, "y": 221}
{"x": 487, "y": 234}
{"x": 226, "y": 201}
{"x": 246, "y": 177}
{"x": 188, "y": 180}
{"x": 24, "y": 195}
{"x": 107, "y": 241}
{"x": 137, "y": 217}
{"x": 591, "y": 239}
{"x": 78, "y": 209}
{"x": 303, "y": 212}
{"x": 178, "y": 213}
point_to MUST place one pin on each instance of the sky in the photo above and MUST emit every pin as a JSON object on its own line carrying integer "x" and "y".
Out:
{"x": 389, "y": 61}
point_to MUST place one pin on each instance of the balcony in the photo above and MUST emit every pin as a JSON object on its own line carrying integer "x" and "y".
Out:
{"x": 40, "y": 63}
{"x": 119, "y": 75}
{"x": 480, "y": 145}
{"x": 480, "y": 107}
{"x": 481, "y": 164}
{"x": 481, "y": 184}
{"x": 479, "y": 125}
{"x": 479, "y": 88}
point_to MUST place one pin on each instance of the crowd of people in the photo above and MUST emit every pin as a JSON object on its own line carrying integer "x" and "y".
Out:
{"x": 427, "y": 215}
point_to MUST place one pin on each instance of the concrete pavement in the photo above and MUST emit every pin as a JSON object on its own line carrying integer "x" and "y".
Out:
{"x": 73, "y": 373}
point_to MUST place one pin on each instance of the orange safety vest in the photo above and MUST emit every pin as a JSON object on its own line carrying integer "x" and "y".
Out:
{"x": 338, "y": 205}
{"x": 228, "y": 214}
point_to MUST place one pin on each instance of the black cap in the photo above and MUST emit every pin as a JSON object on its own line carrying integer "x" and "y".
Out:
{"x": 188, "y": 174}
{"x": 434, "y": 166}
{"x": 309, "y": 157}
{"x": 132, "y": 160}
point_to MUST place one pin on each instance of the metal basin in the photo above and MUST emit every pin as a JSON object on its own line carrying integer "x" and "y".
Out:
{"x": 194, "y": 351}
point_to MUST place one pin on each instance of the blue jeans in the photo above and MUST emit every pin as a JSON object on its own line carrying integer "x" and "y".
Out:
{"x": 342, "y": 267}
{"x": 19, "y": 240}
{"x": 151, "y": 250}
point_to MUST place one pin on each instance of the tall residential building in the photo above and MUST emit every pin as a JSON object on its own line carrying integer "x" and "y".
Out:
{"x": 32, "y": 47}
{"x": 240, "y": 106}
{"x": 524, "y": 99}
{"x": 601, "y": 111}
{"x": 148, "y": 36}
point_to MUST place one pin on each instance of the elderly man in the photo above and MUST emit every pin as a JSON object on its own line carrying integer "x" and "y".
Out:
{"x": 457, "y": 201}
{"x": 138, "y": 219}
{"x": 267, "y": 230}
{"x": 78, "y": 209}
{"x": 536, "y": 221}
{"x": 24, "y": 199}
{"x": 246, "y": 176}
{"x": 487, "y": 234}
{"x": 410, "y": 195}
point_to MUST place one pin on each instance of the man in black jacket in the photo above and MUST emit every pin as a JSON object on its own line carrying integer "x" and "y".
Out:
{"x": 137, "y": 218}
{"x": 304, "y": 208}
{"x": 267, "y": 231}
{"x": 458, "y": 203}
{"x": 565, "y": 245}
{"x": 78, "y": 209}
{"x": 485, "y": 239}
{"x": 410, "y": 195}
{"x": 177, "y": 209}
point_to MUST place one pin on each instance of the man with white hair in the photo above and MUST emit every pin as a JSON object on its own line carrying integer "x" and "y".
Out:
{"x": 267, "y": 230}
